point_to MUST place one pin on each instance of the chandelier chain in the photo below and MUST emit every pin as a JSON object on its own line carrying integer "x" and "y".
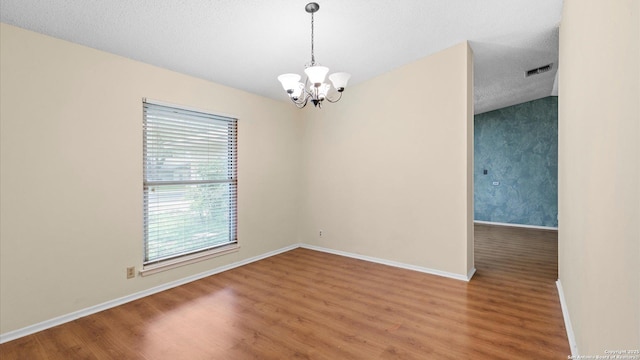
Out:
{"x": 313, "y": 58}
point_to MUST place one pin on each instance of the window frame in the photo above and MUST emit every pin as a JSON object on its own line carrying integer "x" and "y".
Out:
{"x": 151, "y": 266}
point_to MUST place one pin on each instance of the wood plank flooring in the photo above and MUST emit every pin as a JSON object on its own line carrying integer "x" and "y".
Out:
{"x": 304, "y": 304}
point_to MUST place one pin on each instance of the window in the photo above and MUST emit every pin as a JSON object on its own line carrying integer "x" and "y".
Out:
{"x": 190, "y": 183}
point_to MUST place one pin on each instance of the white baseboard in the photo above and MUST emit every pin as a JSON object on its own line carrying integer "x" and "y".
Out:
{"x": 31, "y": 329}
{"x": 567, "y": 321}
{"x": 392, "y": 263}
{"x": 515, "y": 225}
{"x": 471, "y": 273}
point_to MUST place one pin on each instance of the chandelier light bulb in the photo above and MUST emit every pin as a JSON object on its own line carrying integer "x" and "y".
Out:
{"x": 297, "y": 91}
{"x": 289, "y": 81}
{"x": 316, "y": 74}
{"x": 339, "y": 80}
{"x": 323, "y": 89}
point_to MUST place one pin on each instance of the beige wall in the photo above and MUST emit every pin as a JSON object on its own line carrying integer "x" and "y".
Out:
{"x": 599, "y": 172}
{"x": 389, "y": 168}
{"x": 71, "y": 173}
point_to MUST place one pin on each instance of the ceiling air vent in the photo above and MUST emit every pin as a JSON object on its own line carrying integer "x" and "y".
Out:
{"x": 537, "y": 71}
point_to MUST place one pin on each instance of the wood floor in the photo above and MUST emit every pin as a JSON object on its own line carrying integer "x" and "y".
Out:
{"x": 304, "y": 304}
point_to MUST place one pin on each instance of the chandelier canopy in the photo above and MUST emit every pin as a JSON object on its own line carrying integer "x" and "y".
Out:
{"x": 314, "y": 87}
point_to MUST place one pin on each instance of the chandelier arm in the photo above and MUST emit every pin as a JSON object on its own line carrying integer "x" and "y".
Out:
{"x": 307, "y": 93}
{"x": 334, "y": 100}
{"x": 300, "y": 104}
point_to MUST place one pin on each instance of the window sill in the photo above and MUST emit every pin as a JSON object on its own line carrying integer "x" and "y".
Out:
{"x": 189, "y": 259}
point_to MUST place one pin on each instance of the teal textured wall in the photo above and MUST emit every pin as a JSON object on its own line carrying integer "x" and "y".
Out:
{"x": 518, "y": 146}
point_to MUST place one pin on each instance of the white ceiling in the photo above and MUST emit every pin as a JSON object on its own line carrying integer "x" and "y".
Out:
{"x": 246, "y": 44}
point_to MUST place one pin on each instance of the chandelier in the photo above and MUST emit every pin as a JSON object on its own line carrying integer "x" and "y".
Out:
{"x": 314, "y": 87}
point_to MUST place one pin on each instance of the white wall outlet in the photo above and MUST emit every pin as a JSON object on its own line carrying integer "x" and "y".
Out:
{"x": 320, "y": 233}
{"x": 131, "y": 272}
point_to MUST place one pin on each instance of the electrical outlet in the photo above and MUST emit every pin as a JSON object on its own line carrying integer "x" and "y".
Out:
{"x": 320, "y": 233}
{"x": 131, "y": 272}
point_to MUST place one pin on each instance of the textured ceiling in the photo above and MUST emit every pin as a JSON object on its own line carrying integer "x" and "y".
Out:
{"x": 246, "y": 44}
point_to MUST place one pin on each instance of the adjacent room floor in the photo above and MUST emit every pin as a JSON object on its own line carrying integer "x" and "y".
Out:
{"x": 305, "y": 304}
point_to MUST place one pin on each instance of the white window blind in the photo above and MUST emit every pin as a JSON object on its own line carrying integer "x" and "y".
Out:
{"x": 190, "y": 182}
